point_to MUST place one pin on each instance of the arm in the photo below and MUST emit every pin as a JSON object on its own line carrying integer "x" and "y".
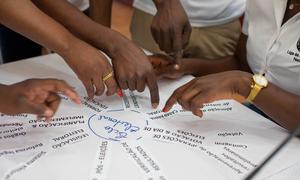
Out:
{"x": 170, "y": 27}
{"x": 131, "y": 66}
{"x": 27, "y": 21}
{"x": 280, "y": 105}
{"x": 202, "y": 67}
{"x": 100, "y": 11}
{"x": 89, "y": 65}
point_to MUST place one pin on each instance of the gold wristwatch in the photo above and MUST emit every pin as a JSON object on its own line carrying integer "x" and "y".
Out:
{"x": 259, "y": 82}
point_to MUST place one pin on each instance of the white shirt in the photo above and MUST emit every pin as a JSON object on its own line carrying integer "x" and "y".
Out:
{"x": 203, "y": 13}
{"x": 271, "y": 48}
{"x": 82, "y": 5}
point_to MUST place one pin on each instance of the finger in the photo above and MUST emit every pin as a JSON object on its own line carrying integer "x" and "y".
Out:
{"x": 52, "y": 102}
{"x": 141, "y": 84}
{"x": 166, "y": 41}
{"x": 186, "y": 34}
{"x": 155, "y": 33}
{"x": 98, "y": 83}
{"x": 175, "y": 95}
{"x": 131, "y": 83}
{"x": 197, "y": 104}
{"x": 177, "y": 41}
{"x": 111, "y": 85}
{"x": 153, "y": 88}
{"x": 122, "y": 83}
{"x": 89, "y": 88}
{"x": 187, "y": 96}
{"x": 160, "y": 40}
{"x": 178, "y": 57}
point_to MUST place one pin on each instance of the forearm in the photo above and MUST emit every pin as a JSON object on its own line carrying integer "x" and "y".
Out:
{"x": 25, "y": 18}
{"x": 200, "y": 67}
{"x": 79, "y": 24}
{"x": 159, "y": 3}
{"x": 100, "y": 11}
{"x": 282, "y": 106}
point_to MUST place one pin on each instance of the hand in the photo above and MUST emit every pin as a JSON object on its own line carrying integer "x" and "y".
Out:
{"x": 170, "y": 26}
{"x": 35, "y": 96}
{"x": 133, "y": 70}
{"x": 165, "y": 68}
{"x": 91, "y": 66}
{"x": 206, "y": 89}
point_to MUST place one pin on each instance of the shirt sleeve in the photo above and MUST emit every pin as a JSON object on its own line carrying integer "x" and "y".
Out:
{"x": 245, "y": 24}
{"x": 246, "y": 21}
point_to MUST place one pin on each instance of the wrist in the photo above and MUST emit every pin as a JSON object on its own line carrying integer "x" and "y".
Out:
{"x": 108, "y": 41}
{"x": 162, "y": 3}
{"x": 67, "y": 47}
{"x": 244, "y": 83}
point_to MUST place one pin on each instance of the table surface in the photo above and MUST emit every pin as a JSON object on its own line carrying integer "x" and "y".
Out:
{"x": 178, "y": 162}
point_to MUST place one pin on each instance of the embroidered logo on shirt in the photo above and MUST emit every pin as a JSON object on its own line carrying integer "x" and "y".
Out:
{"x": 295, "y": 55}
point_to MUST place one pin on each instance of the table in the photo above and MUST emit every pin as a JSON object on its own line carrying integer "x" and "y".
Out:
{"x": 226, "y": 144}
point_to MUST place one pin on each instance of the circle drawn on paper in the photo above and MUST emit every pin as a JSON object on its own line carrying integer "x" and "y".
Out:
{"x": 117, "y": 126}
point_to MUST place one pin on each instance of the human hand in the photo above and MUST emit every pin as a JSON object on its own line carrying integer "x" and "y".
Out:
{"x": 35, "y": 96}
{"x": 133, "y": 70}
{"x": 206, "y": 89}
{"x": 165, "y": 68}
{"x": 170, "y": 27}
{"x": 91, "y": 67}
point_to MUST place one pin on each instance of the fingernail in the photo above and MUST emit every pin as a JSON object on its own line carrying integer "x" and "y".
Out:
{"x": 154, "y": 105}
{"x": 176, "y": 67}
{"x": 48, "y": 113}
{"x": 165, "y": 110}
{"x": 120, "y": 93}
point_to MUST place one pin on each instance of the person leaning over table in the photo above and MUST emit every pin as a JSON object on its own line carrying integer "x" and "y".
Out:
{"x": 265, "y": 69}
{"x": 44, "y": 22}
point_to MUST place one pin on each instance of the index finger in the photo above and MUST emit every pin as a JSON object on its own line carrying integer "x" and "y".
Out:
{"x": 153, "y": 88}
{"x": 175, "y": 95}
{"x": 178, "y": 56}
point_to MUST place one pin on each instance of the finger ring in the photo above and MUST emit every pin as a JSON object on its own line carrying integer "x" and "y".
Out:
{"x": 109, "y": 75}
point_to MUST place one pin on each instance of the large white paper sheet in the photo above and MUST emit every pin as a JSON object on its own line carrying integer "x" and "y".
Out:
{"x": 124, "y": 138}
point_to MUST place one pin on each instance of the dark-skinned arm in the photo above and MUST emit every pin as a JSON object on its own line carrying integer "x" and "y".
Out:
{"x": 74, "y": 20}
{"x": 100, "y": 11}
{"x": 200, "y": 67}
{"x": 90, "y": 66}
{"x": 280, "y": 105}
{"x": 131, "y": 66}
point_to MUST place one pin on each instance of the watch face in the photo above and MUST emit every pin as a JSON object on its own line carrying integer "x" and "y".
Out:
{"x": 260, "y": 80}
